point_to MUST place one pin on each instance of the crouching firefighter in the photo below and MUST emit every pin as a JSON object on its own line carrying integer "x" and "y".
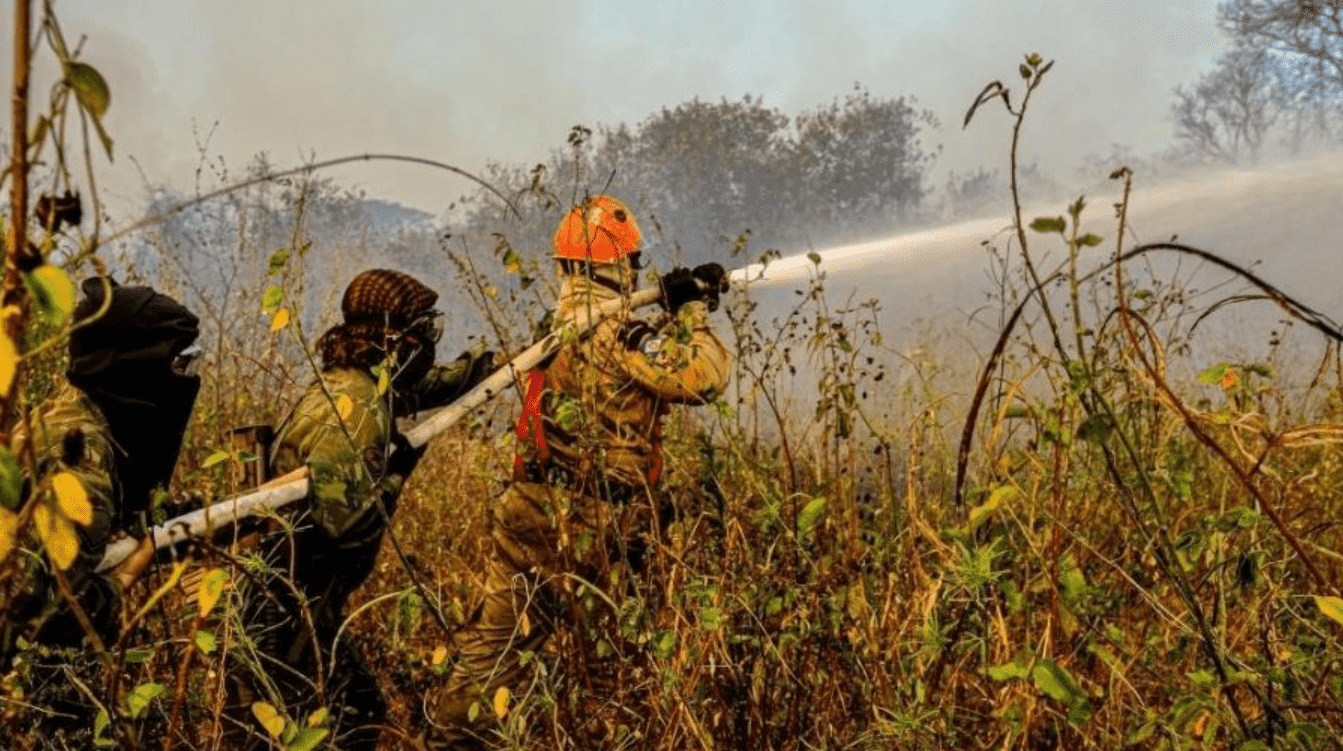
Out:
{"x": 589, "y": 461}
{"x": 115, "y": 424}
{"x": 377, "y": 365}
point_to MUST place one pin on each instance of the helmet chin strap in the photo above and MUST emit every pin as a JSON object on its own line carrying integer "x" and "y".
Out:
{"x": 619, "y": 277}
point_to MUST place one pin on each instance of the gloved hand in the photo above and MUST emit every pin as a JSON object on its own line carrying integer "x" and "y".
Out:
{"x": 404, "y": 456}
{"x": 713, "y": 282}
{"x": 479, "y": 365}
{"x": 678, "y": 288}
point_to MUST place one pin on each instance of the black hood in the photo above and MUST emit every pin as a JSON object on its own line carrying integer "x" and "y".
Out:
{"x": 123, "y": 358}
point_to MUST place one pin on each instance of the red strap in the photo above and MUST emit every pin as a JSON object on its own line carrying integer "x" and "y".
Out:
{"x": 529, "y": 424}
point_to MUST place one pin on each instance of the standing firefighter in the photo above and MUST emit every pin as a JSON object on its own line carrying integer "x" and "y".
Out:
{"x": 377, "y": 366}
{"x": 116, "y": 427}
{"x": 589, "y": 465}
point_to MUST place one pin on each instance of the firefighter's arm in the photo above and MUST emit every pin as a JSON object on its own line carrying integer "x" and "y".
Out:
{"x": 684, "y": 362}
{"x": 443, "y": 384}
{"x": 336, "y": 448}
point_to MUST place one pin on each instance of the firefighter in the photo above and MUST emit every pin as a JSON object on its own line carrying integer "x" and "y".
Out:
{"x": 116, "y": 424}
{"x": 377, "y": 365}
{"x": 589, "y": 458}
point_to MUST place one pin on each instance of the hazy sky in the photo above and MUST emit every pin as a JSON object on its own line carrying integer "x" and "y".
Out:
{"x": 467, "y": 83}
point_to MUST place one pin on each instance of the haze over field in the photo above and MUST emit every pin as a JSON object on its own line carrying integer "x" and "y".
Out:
{"x": 470, "y": 83}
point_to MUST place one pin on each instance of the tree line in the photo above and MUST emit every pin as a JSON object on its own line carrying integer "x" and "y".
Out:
{"x": 1277, "y": 90}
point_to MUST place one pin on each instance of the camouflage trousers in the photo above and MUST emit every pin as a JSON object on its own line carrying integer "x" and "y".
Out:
{"x": 547, "y": 541}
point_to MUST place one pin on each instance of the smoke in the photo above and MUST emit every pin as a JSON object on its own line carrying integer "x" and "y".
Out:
{"x": 470, "y": 83}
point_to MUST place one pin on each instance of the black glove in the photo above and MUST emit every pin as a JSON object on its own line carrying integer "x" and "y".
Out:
{"x": 678, "y": 288}
{"x": 479, "y": 366}
{"x": 713, "y": 282}
{"x": 404, "y": 456}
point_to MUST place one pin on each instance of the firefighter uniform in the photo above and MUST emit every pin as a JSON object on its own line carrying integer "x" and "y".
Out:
{"x": 587, "y": 472}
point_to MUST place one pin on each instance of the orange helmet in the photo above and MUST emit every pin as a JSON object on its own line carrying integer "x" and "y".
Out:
{"x": 601, "y": 230}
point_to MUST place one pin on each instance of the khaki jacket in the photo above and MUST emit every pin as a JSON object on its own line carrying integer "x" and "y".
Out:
{"x": 69, "y": 435}
{"x": 605, "y": 395}
{"x": 343, "y": 452}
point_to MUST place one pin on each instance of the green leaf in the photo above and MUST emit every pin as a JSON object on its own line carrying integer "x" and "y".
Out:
{"x": 709, "y": 618}
{"x": 275, "y": 264}
{"x": 1331, "y": 606}
{"x": 1057, "y": 683}
{"x": 90, "y": 88}
{"x": 1260, "y": 369}
{"x": 137, "y": 656}
{"x": 307, "y": 739}
{"x": 982, "y": 512}
{"x": 138, "y": 700}
{"x": 102, "y": 136}
{"x": 1049, "y": 224}
{"x": 1020, "y": 667}
{"x": 272, "y": 299}
{"x": 1214, "y": 374}
{"x": 1025, "y": 71}
{"x": 11, "y": 480}
{"x": 814, "y": 257}
{"x": 1203, "y": 678}
{"x": 666, "y": 645}
{"x": 512, "y": 261}
{"x": 206, "y": 642}
{"x": 1096, "y": 428}
{"x": 52, "y": 291}
{"x": 1016, "y": 411}
{"x": 100, "y": 724}
{"x": 1089, "y": 240}
{"x": 810, "y": 514}
{"x": 214, "y": 459}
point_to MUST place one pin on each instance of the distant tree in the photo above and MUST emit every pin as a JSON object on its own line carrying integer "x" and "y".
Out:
{"x": 1302, "y": 46}
{"x": 703, "y": 175}
{"x": 1307, "y": 32}
{"x": 711, "y": 170}
{"x": 1226, "y": 116}
{"x": 861, "y": 161}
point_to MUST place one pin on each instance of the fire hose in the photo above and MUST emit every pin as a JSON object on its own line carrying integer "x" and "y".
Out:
{"x": 294, "y": 486}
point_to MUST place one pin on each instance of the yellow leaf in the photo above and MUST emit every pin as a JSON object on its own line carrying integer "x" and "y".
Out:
{"x": 997, "y": 498}
{"x": 212, "y": 586}
{"x": 384, "y": 380}
{"x": 318, "y": 717}
{"x": 501, "y": 702}
{"x": 269, "y": 718}
{"x": 1331, "y": 606}
{"x": 58, "y": 535}
{"x": 280, "y": 320}
{"x": 440, "y": 654}
{"x": 9, "y": 363}
{"x": 53, "y": 292}
{"x": 344, "y": 406}
{"x": 9, "y": 527}
{"x": 72, "y": 498}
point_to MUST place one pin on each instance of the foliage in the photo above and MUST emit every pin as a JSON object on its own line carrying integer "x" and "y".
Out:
{"x": 1283, "y": 77}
